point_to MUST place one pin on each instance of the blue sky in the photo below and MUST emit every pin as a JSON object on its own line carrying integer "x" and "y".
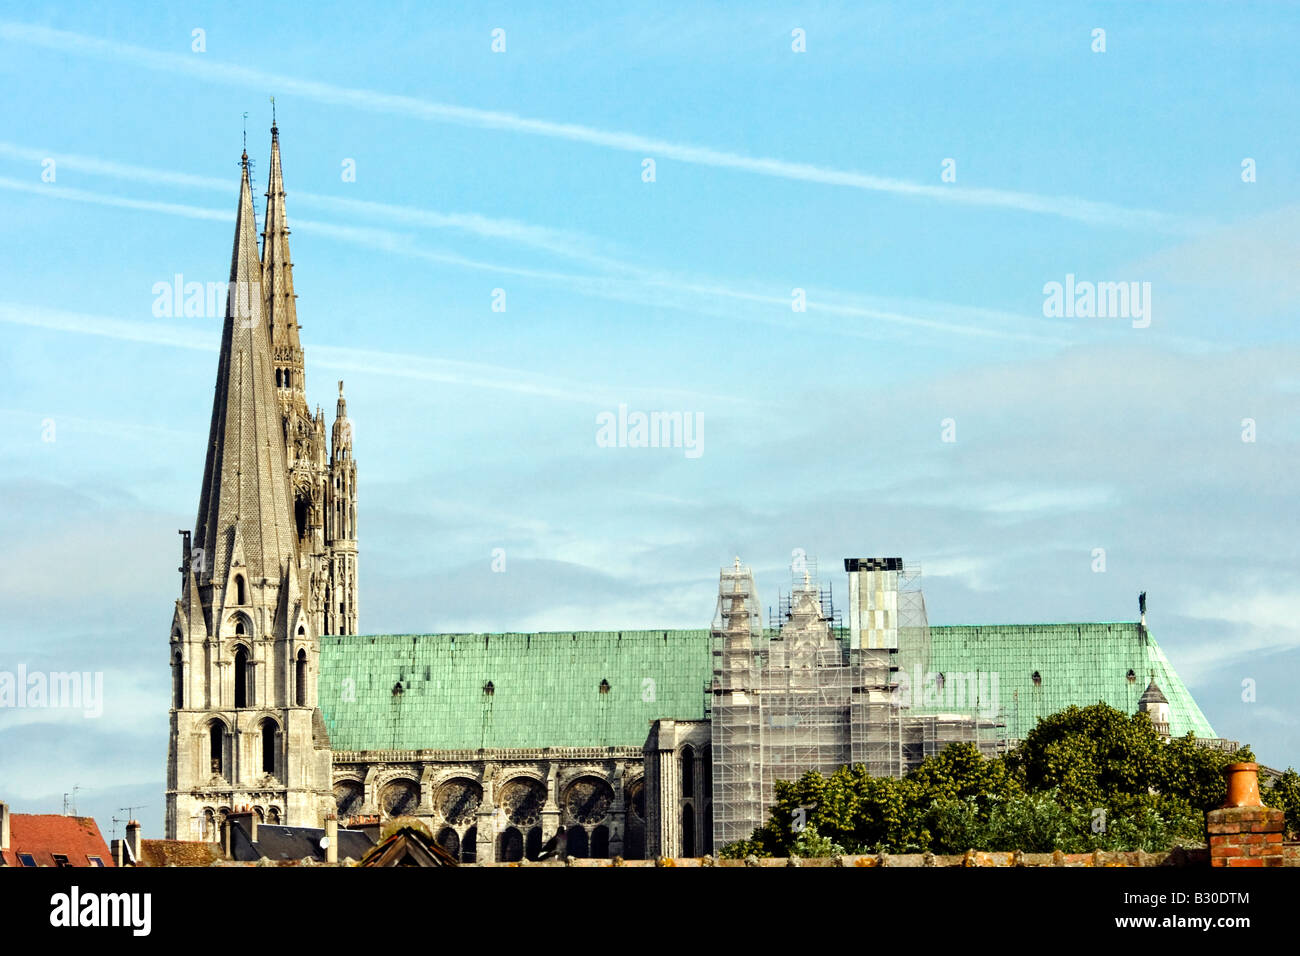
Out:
{"x": 775, "y": 170}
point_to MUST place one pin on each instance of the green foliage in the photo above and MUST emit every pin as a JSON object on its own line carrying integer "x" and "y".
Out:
{"x": 1089, "y": 753}
{"x": 741, "y": 849}
{"x": 1084, "y": 779}
{"x": 1284, "y": 795}
{"x": 809, "y": 844}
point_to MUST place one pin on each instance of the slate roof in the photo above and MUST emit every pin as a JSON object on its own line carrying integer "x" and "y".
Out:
{"x": 546, "y": 686}
{"x": 293, "y": 843}
{"x": 45, "y": 834}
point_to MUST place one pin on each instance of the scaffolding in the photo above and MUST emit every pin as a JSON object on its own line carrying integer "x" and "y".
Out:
{"x": 800, "y": 698}
{"x": 792, "y": 701}
{"x": 736, "y": 634}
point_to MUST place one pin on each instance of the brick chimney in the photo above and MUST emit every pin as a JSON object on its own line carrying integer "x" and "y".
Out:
{"x": 5, "y": 834}
{"x": 133, "y": 839}
{"x": 1244, "y": 832}
{"x": 332, "y": 839}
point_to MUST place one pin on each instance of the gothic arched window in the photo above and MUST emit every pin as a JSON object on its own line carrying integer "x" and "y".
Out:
{"x": 242, "y": 671}
{"x": 178, "y": 683}
{"x": 240, "y": 596}
{"x": 216, "y": 741}
{"x": 268, "y": 746}
{"x": 600, "y": 843}
{"x": 301, "y": 679}
{"x": 575, "y": 842}
{"x": 688, "y": 772}
{"x": 688, "y": 830}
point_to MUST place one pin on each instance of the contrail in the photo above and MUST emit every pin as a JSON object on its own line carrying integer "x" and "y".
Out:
{"x": 1068, "y": 207}
{"x": 568, "y": 244}
{"x": 639, "y": 286}
{"x": 389, "y": 364}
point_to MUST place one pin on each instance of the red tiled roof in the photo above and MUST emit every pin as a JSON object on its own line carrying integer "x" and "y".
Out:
{"x": 45, "y": 834}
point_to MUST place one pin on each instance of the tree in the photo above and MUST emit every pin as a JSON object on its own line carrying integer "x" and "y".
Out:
{"x": 1085, "y": 778}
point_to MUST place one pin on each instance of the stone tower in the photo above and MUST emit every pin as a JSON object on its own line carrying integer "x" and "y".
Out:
{"x": 245, "y": 726}
{"x": 322, "y": 482}
{"x": 341, "y": 528}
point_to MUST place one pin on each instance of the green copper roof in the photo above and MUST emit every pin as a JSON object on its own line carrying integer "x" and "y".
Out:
{"x": 1076, "y": 663}
{"x": 546, "y": 688}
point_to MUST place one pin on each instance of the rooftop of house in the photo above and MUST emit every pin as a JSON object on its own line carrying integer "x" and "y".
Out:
{"x": 276, "y": 842}
{"x": 51, "y": 839}
{"x": 178, "y": 853}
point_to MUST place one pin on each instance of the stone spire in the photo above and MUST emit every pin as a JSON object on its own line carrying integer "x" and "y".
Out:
{"x": 277, "y": 278}
{"x": 244, "y": 505}
{"x": 342, "y": 433}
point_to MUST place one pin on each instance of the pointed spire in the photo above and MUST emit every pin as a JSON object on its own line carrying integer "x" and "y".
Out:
{"x": 245, "y": 492}
{"x": 277, "y": 277}
{"x": 342, "y": 433}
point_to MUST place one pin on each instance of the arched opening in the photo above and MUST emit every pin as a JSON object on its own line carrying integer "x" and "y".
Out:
{"x": 216, "y": 748}
{"x": 634, "y": 835}
{"x": 178, "y": 682}
{"x": 301, "y": 510}
{"x": 688, "y": 772}
{"x": 399, "y": 798}
{"x": 469, "y": 846}
{"x": 268, "y": 746}
{"x": 241, "y": 677}
{"x": 239, "y": 626}
{"x": 600, "y": 843}
{"x": 279, "y": 378}
{"x": 533, "y": 843}
{"x": 510, "y": 846}
{"x": 273, "y": 816}
{"x": 241, "y": 597}
{"x": 300, "y": 680}
{"x": 347, "y": 798}
{"x": 708, "y": 827}
{"x": 688, "y": 830}
{"x": 457, "y": 801}
{"x": 449, "y": 841}
{"x": 576, "y": 842}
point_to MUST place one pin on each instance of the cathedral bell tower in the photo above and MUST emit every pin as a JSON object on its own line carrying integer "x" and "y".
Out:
{"x": 245, "y": 726}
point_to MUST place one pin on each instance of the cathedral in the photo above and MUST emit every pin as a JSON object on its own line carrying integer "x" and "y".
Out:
{"x": 629, "y": 743}
{"x": 271, "y": 566}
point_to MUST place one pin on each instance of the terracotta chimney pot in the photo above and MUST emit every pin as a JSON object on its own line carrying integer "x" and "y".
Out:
{"x": 1243, "y": 785}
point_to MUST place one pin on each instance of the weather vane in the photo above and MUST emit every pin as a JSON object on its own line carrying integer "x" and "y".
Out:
{"x": 245, "y": 132}
{"x": 273, "y": 111}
